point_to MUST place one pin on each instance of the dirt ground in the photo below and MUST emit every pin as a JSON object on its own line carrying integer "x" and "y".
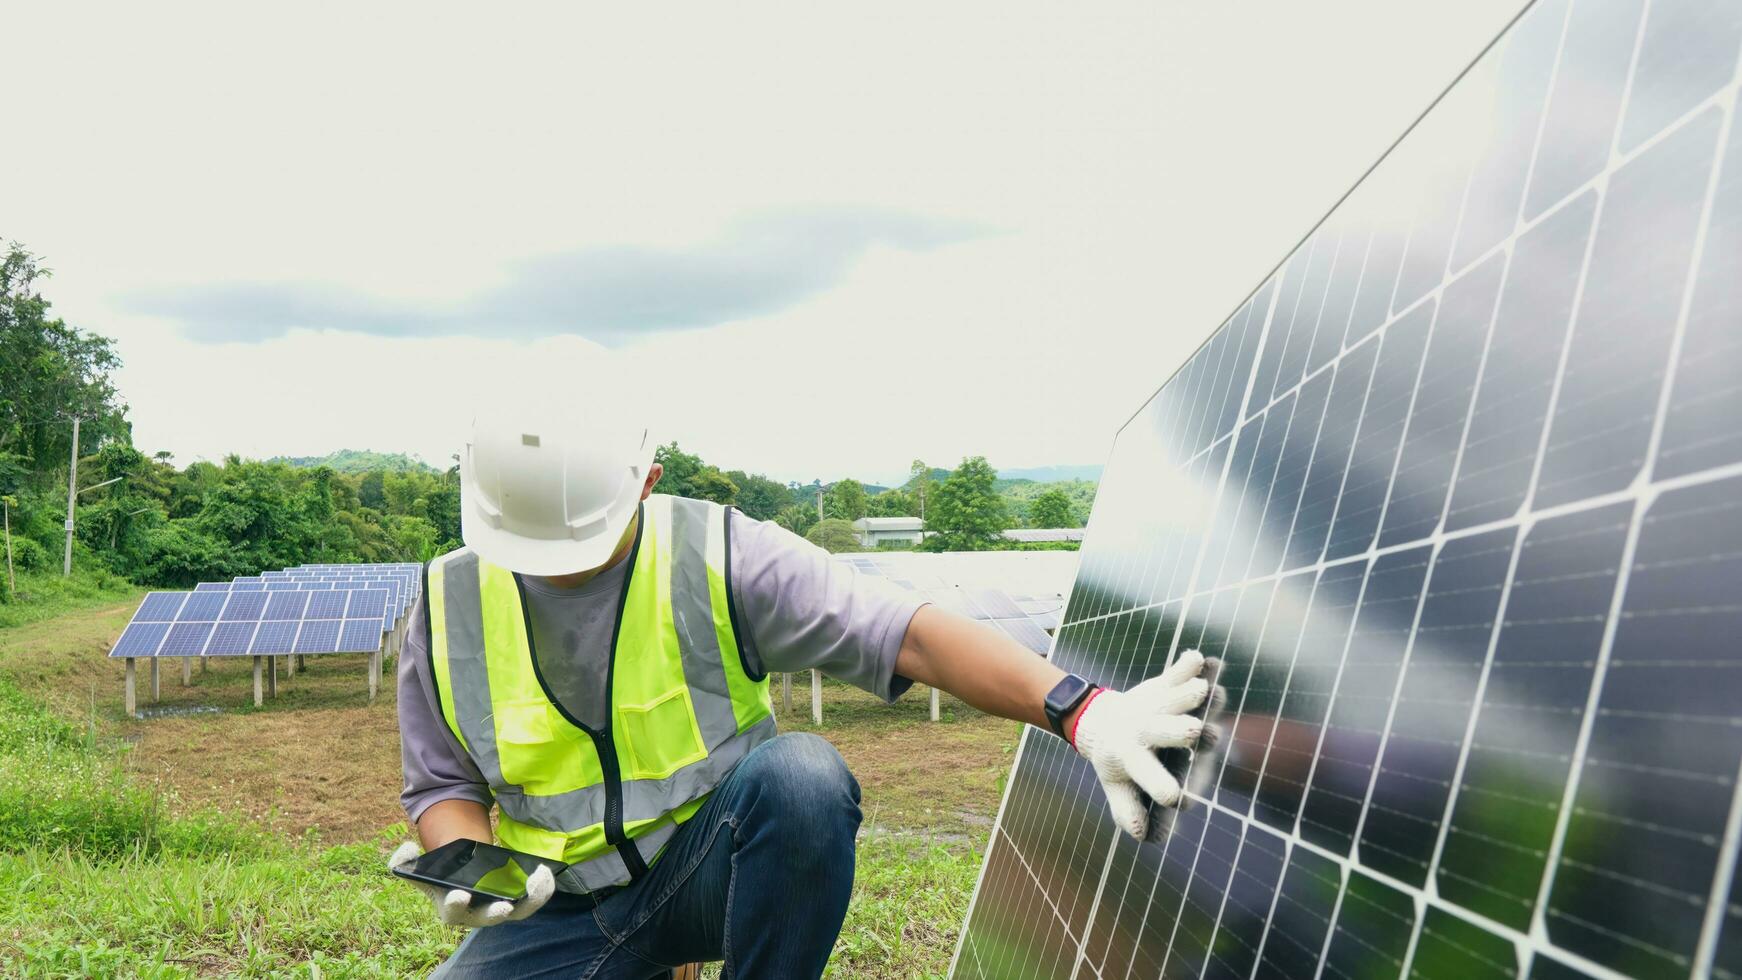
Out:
{"x": 320, "y": 758}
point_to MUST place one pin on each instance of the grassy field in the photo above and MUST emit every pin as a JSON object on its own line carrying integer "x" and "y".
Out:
{"x": 244, "y": 841}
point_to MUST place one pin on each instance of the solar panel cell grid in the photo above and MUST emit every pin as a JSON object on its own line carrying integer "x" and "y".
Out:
{"x": 360, "y": 636}
{"x": 140, "y": 640}
{"x": 160, "y": 607}
{"x": 185, "y": 640}
{"x": 244, "y": 606}
{"x": 275, "y": 637}
{"x": 1470, "y": 530}
{"x": 367, "y": 603}
{"x": 318, "y": 636}
{"x": 327, "y": 605}
{"x": 285, "y": 605}
{"x": 202, "y": 606}
{"x": 231, "y": 639}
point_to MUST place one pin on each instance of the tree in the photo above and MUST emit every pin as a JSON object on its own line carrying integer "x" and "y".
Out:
{"x": 966, "y": 513}
{"x": 893, "y": 503}
{"x": 371, "y": 490}
{"x": 758, "y": 496}
{"x": 797, "y": 518}
{"x": 845, "y": 500}
{"x": 919, "y": 483}
{"x": 710, "y": 484}
{"x": 834, "y": 536}
{"x": 1051, "y": 509}
{"x": 680, "y": 470}
{"x": 50, "y": 371}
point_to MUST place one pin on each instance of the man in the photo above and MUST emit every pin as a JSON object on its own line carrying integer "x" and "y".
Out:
{"x": 594, "y": 663}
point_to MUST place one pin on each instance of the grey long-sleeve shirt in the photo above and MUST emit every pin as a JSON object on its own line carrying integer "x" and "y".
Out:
{"x": 797, "y": 608}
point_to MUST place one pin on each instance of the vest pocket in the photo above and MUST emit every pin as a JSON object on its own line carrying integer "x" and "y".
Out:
{"x": 523, "y": 722}
{"x": 525, "y": 744}
{"x": 661, "y": 735}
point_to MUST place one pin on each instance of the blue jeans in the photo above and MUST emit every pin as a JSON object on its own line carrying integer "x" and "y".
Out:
{"x": 759, "y": 877}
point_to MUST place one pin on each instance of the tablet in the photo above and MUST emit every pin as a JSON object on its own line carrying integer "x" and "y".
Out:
{"x": 485, "y": 870}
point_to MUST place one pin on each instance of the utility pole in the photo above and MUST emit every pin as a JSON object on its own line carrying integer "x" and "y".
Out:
{"x": 6, "y": 509}
{"x": 72, "y": 494}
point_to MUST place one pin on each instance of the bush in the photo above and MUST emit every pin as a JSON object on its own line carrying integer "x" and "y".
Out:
{"x": 834, "y": 536}
{"x": 29, "y": 556}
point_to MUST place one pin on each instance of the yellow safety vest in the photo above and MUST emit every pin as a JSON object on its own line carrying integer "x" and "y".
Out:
{"x": 684, "y": 706}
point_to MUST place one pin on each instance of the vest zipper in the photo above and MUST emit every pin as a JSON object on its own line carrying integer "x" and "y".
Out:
{"x": 602, "y": 743}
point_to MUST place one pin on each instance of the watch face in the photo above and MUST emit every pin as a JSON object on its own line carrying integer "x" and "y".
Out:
{"x": 1063, "y": 697}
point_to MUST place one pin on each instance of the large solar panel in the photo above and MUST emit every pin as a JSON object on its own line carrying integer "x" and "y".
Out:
{"x": 1456, "y": 493}
{"x": 218, "y": 623}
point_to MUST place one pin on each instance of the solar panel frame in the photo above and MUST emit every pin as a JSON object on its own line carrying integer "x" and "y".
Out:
{"x": 1396, "y": 671}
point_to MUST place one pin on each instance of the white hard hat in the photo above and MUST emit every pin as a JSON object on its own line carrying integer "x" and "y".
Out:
{"x": 548, "y": 488}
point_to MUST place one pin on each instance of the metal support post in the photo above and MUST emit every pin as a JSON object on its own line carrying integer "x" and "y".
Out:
{"x": 817, "y": 696}
{"x": 128, "y": 696}
{"x": 72, "y": 497}
{"x": 257, "y": 699}
{"x": 156, "y": 689}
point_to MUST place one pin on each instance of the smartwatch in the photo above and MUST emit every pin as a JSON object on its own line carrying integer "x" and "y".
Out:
{"x": 1063, "y": 699}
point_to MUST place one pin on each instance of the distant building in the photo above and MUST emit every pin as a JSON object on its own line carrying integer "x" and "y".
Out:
{"x": 873, "y": 531}
{"x": 1044, "y": 534}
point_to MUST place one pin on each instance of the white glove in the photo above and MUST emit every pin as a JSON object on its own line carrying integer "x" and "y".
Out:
{"x": 1119, "y": 733}
{"x": 454, "y": 906}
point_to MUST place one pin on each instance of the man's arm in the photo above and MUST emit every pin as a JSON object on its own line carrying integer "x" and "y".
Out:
{"x": 439, "y": 775}
{"x": 1119, "y": 732}
{"x": 980, "y": 665}
{"x": 450, "y": 820}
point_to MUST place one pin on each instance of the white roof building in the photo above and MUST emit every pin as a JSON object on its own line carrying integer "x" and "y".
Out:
{"x": 1044, "y": 534}
{"x": 873, "y": 531}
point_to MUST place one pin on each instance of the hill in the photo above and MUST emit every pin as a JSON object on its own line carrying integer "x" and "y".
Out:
{"x": 1054, "y": 474}
{"x": 359, "y": 461}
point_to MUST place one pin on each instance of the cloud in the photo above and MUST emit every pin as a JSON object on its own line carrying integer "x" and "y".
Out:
{"x": 760, "y": 265}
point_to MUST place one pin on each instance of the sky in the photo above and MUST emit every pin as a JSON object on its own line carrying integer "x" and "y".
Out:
{"x": 812, "y": 240}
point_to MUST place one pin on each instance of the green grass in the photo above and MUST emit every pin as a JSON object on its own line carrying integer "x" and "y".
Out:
{"x": 45, "y": 595}
{"x": 63, "y": 914}
{"x": 98, "y": 879}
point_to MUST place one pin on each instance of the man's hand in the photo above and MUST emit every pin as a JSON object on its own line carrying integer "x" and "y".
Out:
{"x": 1120, "y": 733}
{"x": 454, "y": 906}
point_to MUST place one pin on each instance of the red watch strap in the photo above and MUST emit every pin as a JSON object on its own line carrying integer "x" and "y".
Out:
{"x": 1081, "y": 712}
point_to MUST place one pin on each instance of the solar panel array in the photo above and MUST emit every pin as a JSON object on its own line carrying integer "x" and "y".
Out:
{"x": 313, "y": 609}
{"x": 1457, "y": 495}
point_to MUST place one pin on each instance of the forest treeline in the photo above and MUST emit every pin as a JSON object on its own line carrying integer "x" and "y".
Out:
{"x": 159, "y": 524}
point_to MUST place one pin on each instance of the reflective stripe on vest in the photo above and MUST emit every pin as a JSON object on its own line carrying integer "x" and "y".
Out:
{"x": 684, "y": 710}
